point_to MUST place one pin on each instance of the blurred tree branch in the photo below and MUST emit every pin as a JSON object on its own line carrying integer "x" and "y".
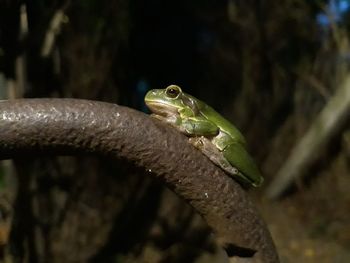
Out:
{"x": 54, "y": 28}
{"x": 319, "y": 134}
{"x": 67, "y": 126}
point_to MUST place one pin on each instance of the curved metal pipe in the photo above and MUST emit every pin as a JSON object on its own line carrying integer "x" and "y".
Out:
{"x": 72, "y": 126}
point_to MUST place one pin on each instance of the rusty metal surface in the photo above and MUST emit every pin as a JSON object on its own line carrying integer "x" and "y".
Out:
{"x": 71, "y": 126}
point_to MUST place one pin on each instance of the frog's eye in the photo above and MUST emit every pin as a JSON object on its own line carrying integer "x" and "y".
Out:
{"x": 172, "y": 91}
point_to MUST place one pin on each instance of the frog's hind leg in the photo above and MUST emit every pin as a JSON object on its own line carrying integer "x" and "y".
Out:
{"x": 237, "y": 156}
{"x": 213, "y": 153}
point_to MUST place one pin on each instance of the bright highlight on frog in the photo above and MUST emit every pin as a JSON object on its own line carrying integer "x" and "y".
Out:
{"x": 207, "y": 130}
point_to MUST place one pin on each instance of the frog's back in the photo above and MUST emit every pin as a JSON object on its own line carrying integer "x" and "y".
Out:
{"x": 226, "y": 126}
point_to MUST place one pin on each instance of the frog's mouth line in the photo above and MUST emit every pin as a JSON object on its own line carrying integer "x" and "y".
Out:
{"x": 162, "y": 109}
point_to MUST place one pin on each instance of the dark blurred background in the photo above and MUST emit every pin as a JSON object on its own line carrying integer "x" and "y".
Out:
{"x": 270, "y": 67}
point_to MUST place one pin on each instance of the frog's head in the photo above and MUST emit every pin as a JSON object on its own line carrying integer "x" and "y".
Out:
{"x": 170, "y": 101}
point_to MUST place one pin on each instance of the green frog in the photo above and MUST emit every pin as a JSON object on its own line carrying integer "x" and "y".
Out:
{"x": 207, "y": 130}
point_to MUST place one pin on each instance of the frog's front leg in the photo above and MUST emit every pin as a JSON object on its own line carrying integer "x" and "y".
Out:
{"x": 213, "y": 153}
{"x": 190, "y": 126}
{"x": 198, "y": 127}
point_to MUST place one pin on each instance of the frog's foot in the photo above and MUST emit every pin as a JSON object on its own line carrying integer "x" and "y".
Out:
{"x": 213, "y": 153}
